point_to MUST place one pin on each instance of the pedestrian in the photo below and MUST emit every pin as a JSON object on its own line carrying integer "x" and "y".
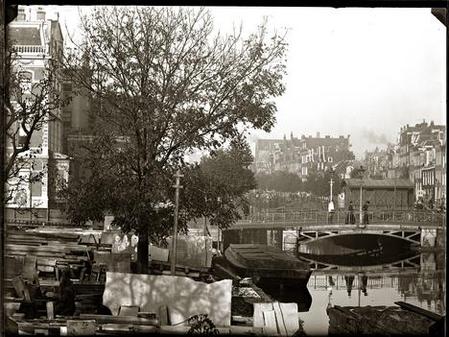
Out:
{"x": 365, "y": 213}
{"x": 364, "y": 280}
{"x": 349, "y": 280}
{"x": 350, "y": 217}
{"x": 430, "y": 203}
{"x": 331, "y": 210}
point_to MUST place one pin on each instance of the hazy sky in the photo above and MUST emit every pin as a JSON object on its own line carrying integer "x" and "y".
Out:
{"x": 363, "y": 72}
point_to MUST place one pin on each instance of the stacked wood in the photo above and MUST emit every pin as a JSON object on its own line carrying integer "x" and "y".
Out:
{"x": 40, "y": 255}
{"x": 163, "y": 268}
{"x": 377, "y": 320}
{"x": 276, "y": 319}
{"x": 52, "y": 251}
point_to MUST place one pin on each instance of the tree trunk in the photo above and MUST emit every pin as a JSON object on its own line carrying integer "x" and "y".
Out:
{"x": 142, "y": 251}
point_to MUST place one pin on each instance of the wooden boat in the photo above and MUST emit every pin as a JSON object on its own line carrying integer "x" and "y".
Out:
{"x": 267, "y": 264}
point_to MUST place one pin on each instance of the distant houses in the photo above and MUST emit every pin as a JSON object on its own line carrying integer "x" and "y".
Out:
{"x": 301, "y": 156}
{"x": 419, "y": 156}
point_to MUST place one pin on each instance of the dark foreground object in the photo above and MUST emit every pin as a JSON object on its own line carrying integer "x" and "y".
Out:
{"x": 383, "y": 321}
{"x": 265, "y": 264}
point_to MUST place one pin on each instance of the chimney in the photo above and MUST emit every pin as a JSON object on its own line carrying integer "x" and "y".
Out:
{"x": 317, "y": 135}
{"x": 303, "y": 137}
{"x": 327, "y": 136}
{"x": 341, "y": 137}
{"x": 21, "y": 15}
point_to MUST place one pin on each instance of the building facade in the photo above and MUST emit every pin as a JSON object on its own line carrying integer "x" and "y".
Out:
{"x": 38, "y": 44}
{"x": 302, "y": 156}
{"x": 419, "y": 156}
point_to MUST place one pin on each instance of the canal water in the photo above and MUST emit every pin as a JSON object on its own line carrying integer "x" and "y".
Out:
{"x": 415, "y": 278}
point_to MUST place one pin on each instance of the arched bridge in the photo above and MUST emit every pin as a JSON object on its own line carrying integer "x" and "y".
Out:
{"x": 408, "y": 225}
{"x": 321, "y": 220}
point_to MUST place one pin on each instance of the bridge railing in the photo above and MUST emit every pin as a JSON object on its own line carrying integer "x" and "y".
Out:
{"x": 310, "y": 217}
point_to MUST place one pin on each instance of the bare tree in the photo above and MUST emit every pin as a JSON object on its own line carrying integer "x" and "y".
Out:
{"x": 29, "y": 104}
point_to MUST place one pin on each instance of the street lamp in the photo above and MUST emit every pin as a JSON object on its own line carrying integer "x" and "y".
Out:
{"x": 362, "y": 173}
{"x": 178, "y": 175}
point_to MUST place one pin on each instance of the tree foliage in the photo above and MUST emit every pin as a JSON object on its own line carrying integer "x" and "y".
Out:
{"x": 318, "y": 183}
{"x": 164, "y": 85}
{"x": 216, "y": 187}
{"x": 280, "y": 181}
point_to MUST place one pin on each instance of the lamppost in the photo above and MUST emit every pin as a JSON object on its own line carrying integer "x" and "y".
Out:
{"x": 362, "y": 173}
{"x": 331, "y": 207}
{"x": 178, "y": 175}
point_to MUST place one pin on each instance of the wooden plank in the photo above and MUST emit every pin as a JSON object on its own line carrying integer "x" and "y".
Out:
{"x": 259, "y": 308}
{"x": 120, "y": 319}
{"x": 248, "y": 321}
{"x": 241, "y": 330}
{"x": 290, "y": 316}
{"x": 128, "y": 310}
{"x": 418, "y": 310}
{"x": 50, "y": 310}
{"x": 81, "y": 327}
{"x": 270, "y": 326}
{"x": 279, "y": 319}
{"x": 163, "y": 315}
{"x": 29, "y": 267}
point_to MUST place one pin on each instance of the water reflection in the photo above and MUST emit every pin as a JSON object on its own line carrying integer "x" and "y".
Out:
{"x": 419, "y": 280}
{"x": 299, "y": 295}
{"x": 356, "y": 250}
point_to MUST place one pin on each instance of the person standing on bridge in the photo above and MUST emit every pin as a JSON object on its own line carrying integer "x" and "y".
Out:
{"x": 365, "y": 213}
{"x": 350, "y": 217}
{"x": 331, "y": 209}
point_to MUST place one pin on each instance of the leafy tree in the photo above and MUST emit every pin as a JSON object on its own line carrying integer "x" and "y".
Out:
{"x": 166, "y": 85}
{"x": 216, "y": 187}
{"x": 318, "y": 183}
{"x": 279, "y": 181}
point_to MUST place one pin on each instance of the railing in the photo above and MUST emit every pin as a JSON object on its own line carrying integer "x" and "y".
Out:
{"x": 30, "y": 49}
{"x": 342, "y": 217}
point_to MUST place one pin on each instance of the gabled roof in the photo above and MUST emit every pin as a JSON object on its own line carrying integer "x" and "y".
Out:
{"x": 28, "y": 36}
{"x": 381, "y": 183}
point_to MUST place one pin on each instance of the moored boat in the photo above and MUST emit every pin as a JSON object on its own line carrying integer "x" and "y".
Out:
{"x": 265, "y": 264}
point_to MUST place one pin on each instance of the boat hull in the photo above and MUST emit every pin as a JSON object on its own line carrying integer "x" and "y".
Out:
{"x": 267, "y": 265}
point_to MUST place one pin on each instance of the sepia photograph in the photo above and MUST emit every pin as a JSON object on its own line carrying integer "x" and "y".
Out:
{"x": 223, "y": 170}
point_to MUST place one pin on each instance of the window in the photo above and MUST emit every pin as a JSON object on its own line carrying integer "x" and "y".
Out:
{"x": 21, "y": 15}
{"x": 37, "y": 165}
{"x": 25, "y": 79}
{"x": 36, "y": 184}
{"x": 330, "y": 159}
{"x": 304, "y": 171}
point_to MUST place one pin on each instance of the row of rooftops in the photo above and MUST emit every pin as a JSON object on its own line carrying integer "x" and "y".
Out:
{"x": 309, "y": 140}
